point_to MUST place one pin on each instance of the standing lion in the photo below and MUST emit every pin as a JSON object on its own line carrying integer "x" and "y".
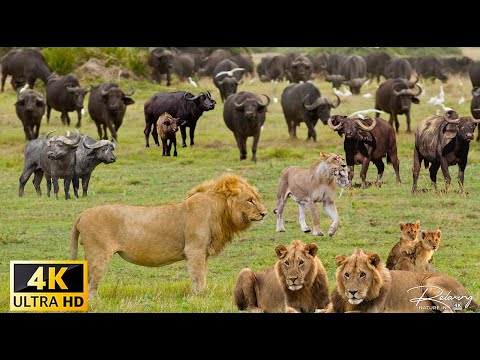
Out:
{"x": 193, "y": 229}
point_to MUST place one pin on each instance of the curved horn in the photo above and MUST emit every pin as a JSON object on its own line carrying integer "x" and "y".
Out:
{"x": 220, "y": 82}
{"x": 132, "y": 91}
{"x": 105, "y": 92}
{"x": 338, "y": 102}
{"x": 70, "y": 88}
{"x": 193, "y": 98}
{"x": 68, "y": 141}
{"x": 20, "y": 95}
{"x": 262, "y": 104}
{"x": 239, "y": 105}
{"x": 97, "y": 144}
{"x": 447, "y": 115}
{"x": 367, "y": 128}
{"x": 319, "y": 101}
{"x": 401, "y": 92}
{"x": 419, "y": 90}
{"x": 333, "y": 127}
{"x": 476, "y": 91}
{"x": 47, "y": 140}
{"x": 412, "y": 83}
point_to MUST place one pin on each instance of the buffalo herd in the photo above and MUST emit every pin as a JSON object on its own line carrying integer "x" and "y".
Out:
{"x": 440, "y": 140}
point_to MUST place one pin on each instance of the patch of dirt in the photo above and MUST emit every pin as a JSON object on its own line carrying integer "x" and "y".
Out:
{"x": 95, "y": 68}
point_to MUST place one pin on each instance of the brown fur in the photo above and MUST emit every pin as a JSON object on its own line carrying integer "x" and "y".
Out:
{"x": 421, "y": 257}
{"x": 408, "y": 238}
{"x": 310, "y": 186}
{"x": 193, "y": 229}
{"x": 376, "y": 289}
{"x": 270, "y": 290}
{"x": 167, "y": 127}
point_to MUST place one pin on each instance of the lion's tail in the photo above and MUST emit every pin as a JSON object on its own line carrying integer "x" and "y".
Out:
{"x": 244, "y": 292}
{"x": 74, "y": 240}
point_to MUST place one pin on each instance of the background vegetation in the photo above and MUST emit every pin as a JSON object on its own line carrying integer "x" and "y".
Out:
{"x": 33, "y": 228}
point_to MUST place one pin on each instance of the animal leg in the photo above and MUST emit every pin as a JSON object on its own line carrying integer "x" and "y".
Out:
{"x": 23, "y": 180}
{"x": 407, "y": 115}
{"x": 174, "y": 141}
{"x": 395, "y": 163}
{"x": 331, "y": 210}
{"x": 363, "y": 172}
{"x": 85, "y": 182}
{"x": 99, "y": 129}
{"x": 183, "y": 131}
{"x": 4, "y": 78}
{"x": 302, "y": 209}
{"x": 37, "y": 180}
{"x": 113, "y": 130}
{"x": 98, "y": 259}
{"x": 256, "y": 138}
{"x": 67, "y": 118}
{"x": 446, "y": 174}
{"x": 192, "y": 134}
{"x": 55, "y": 186}
{"x": 417, "y": 159}
{"x": 311, "y": 131}
{"x": 76, "y": 185}
{"x": 242, "y": 146}
{"x": 244, "y": 293}
{"x": 169, "y": 147}
{"x": 281, "y": 201}
{"x": 79, "y": 122}
{"x": 197, "y": 268}
{"x": 317, "y": 231}
{"x": 49, "y": 108}
{"x": 49, "y": 184}
{"x": 146, "y": 132}
{"x": 461, "y": 173}
{"x": 155, "y": 135}
{"x": 433, "y": 174}
{"x": 380, "y": 169}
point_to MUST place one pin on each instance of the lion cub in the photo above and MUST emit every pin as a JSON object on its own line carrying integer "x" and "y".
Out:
{"x": 408, "y": 238}
{"x": 296, "y": 283}
{"x": 420, "y": 259}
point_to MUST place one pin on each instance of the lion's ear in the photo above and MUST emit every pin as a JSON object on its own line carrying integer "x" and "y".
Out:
{"x": 438, "y": 232}
{"x": 230, "y": 186}
{"x": 417, "y": 223}
{"x": 402, "y": 225}
{"x": 424, "y": 233}
{"x": 324, "y": 156}
{"x": 374, "y": 259}
{"x": 311, "y": 249}
{"x": 280, "y": 250}
{"x": 339, "y": 259}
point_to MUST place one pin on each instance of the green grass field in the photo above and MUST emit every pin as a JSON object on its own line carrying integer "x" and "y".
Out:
{"x": 33, "y": 228}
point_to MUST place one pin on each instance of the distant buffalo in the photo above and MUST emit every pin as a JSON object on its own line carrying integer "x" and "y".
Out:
{"x": 161, "y": 62}
{"x": 30, "y": 107}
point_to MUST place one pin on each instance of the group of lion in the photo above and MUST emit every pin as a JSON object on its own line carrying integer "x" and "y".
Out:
{"x": 408, "y": 283}
{"x": 213, "y": 212}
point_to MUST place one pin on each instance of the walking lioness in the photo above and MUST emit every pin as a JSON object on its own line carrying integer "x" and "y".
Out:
{"x": 309, "y": 186}
{"x": 193, "y": 229}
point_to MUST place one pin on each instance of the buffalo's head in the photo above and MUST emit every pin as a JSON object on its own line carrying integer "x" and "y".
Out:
{"x": 60, "y": 146}
{"x": 101, "y": 150}
{"x": 251, "y": 106}
{"x": 78, "y": 94}
{"x": 353, "y": 128}
{"x": 405, "y": 95}
{"x": 320, "y": 108}
{"x": 203, "y": 100}
{"x": 116, "y": 99}
{"x": 30, "y": 100}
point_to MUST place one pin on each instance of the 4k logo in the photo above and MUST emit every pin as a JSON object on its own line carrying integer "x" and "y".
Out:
{"x": 48, "y": 285}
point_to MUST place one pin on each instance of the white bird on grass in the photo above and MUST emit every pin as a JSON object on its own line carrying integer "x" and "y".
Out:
{"x": 438, "y": 100}
{"x": 461, "y": 100}
{"x": 193, "y": 83}
{"x": 367, "y": 95}
{"x": 342, "y": 94}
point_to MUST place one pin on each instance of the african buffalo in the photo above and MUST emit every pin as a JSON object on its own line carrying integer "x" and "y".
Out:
{"x": 300, "y": 69}
{"x": 398, "y": 68}
{"x": 161, "y": 62}
{"x": 475, "y": 106}
{"x": 335, "y": 69}
{"x": 208, "y": 63}
{"x": 376, "y": 62}
{"x": 244, "y": 114}
{"x": 304, "y": 103}
{"x": 107, "y": 105}
{"x": 179, "y": 104}
{"x": 474, "y": 73}
{"x": 65, "y": 94}
{"x": 355, "y": 73}
{"x": 367, "y": 140}
{"x": 395, "y": 97}
{"x": 30, "y": 107}
{"x": 27, "y": 65}
{"x": 244, "y": 61}
{"x": 429, "y": 67}
{"x": 226, "y": 77}
{"x": 443, "y": 141}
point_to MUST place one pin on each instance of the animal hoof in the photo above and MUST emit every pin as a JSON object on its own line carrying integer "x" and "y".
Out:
{"x": 281, "y": 230}
{"x": 307, "y": 230}
{"x": 184, "y": 145}
{"x": 318, "y": 233}
{"x": 331, "y": 232}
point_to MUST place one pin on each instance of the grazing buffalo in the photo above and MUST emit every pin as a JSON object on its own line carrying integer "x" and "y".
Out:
{"x": 430, "y": 67}
{"x": 457, "y": 65}
{"x": 304, "y": 103}
{"x": 24, "y": 66}
{"x": 398, "y": 68}
{"x": 30, "y": 107}
{"x": 107, "y": 105}
{"x": 273, "y": 68}
{"x": 226, "y": 77}
{"x": 184, "y": 65}
{"x": 65, "y": 94}
{"x": 442, "y": 141}
{"x": 474, "y": 73}
{"x": 376, "y": 62}
{"x": 335, "y": 69}
{"x": 244, "y": 61}
{"x": 300, "y": 69}
{"x": 161, "y": 62}
{"x": 244, "y": 114}
{"x": 54, "y": 156}
{"x": 180, "y": 104}
{"x": 262, "y": 68}
{"x": 475, "y": 106}
{"x": 395, "y": 97}
{"x": 319, "y": 63}
{"x": 208, "y": 63}
{"x": 355, "y": 73}
{"x": 366, "y": 140}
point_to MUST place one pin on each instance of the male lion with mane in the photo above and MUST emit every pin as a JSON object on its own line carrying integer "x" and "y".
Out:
{"x": 309, "y": 186}
{"x": 364, "y": 284}
{"x": 193, "y": 229}
{"x": 297, "y": 283}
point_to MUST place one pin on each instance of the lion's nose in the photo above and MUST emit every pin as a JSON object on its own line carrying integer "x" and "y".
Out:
{"x": 353, "y": 292}
{"x": 293, "y": 278}
{"x": 263, "y": 214}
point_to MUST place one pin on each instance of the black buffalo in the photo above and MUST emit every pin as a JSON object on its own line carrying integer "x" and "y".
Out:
{"x": 30, "y": 107}
{"x": 367, "y": 140}
{"x": 244, "y": 114}
{"x": 355, "y": 73}
{"x": 335, "y": 69}
{"x": 474, "y": 73}
{"x": 208, "y": 63}
{"x": 272, "y": 68}
{"x": 24, "y": 66}
{"x": 65, "y": 94}
{"x": 475, "y": 106}
{"x": 107, "y": 105}
{"x": 244, "y": 61}
{"x": 300, "y": 69}
{"x": 304, "y": 103}
{"x": 442, "y": 141}
{"x": 429, "y": 67}
{"x": 395, "y": 97}
{"x": 161, "y": 62}
{"x": 376, "y": 62}
{"x": 398, "y": 68}
{"x": 179, "y": 104}
{"x": 184, "y": 65}
{"x": 457, "y": 65}
{"x": 226, "y": 77}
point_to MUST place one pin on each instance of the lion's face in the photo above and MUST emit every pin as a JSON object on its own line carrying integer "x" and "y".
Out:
{"x": 431, "y": 240}
{"x": 335, "y": 162}
{"x": 248, "y": 205}
{"x": 357, "y": 277}
{"x": 296, "y": 263}
{"x": 410, "y": 230}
